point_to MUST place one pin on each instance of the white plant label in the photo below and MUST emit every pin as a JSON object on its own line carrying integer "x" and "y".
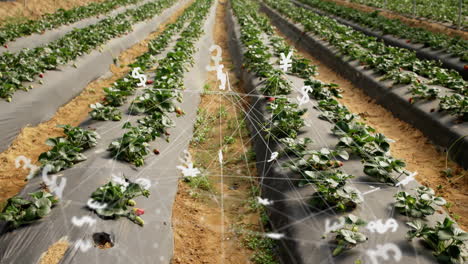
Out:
{"x": 273, "y": 157}
{"x": 220, "y": 156}
{"x": 274, "y": 235}
{"x": 188, "y": 170}
{"x": 52, "y": 183}
{"x": 285, "y": 61}
{"x": 95, "y": 204}
{"x": 265, "y": 201}
{"x": 408, "y": 179}
{"x": 305, "y": 96}
{"x": 383, "y": 251}
{"x": 379, "y": 227}
{"x": 336, "y": 225}
{"x": 83, "y": 245}
{"x": 26, "y": 165}
{"x": 83, "y": 220}
{"x": 137, "y": 75}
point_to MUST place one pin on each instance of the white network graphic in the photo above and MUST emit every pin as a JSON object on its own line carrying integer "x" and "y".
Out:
{"x": 388, "y": 251}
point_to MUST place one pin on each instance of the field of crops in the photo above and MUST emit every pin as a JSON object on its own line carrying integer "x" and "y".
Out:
{"x": 234, "y": 131}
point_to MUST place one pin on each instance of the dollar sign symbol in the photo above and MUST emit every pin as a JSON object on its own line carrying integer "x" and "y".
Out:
{"x": 305, "y": 96}
{"x": 137, "y": 75}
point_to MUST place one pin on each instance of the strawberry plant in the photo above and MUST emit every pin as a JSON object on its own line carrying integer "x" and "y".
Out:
{"x": 455, "y": 104}
{"x": 419, "y": 206}
{"x": 104, "y": 113}
{"x": 115, "y": 97}
{"x": 423, "y": 91}
{"x": 321, "y": 90}
{"x": 286, "y": 119}
{"x": 296, "y": 147}
{"x": 382, "y": 168}
{"x": 276, "y": 84}
{"x": 348, "y": 236}
{"x": 118, "y": 199}
{"x": 332, "y": 191}
{"x": 19, "y": 211}
{"x": 318, "y": 160}
{"x": 80, "y": 137}
{"x": 64, "y": 154}
{"x": 448, "y": 243}
{"x": 132, "y": 147}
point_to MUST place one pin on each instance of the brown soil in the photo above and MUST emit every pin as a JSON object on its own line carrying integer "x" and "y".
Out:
{"x": 434, "y": 27}
{"x": 31, "y": 140}
{"x": 55, "y": 252}
{"x": 21, "y": 10}
{"x": 410, "y": 144}
{"x": 210, "y": 227}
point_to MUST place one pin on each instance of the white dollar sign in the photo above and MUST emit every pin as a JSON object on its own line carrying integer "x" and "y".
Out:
{"x": 145, "y": 183}
{"x": 379, "y": 227}
{"x": 95, "y": 204}
{"x": 27, "y": 165}
{"x": 52, "y": 183}
{"x": 338, "y": 224}
{"x": 84, "y": 220}
{"x": 83, "y": 245}
{"x": 137, "y": 75}
{"x": 305, "y": 96}
{"x": 383, "y": 252}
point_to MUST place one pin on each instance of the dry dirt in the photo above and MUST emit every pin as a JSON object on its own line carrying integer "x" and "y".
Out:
{"x": 434, "y": 27}
{"x": 54, "y": 253}
{"x": 410, "y": 144}
{"x": 31, "y": 140}
{"x": 20, "y": 10}
{"x": 205, "y": 225}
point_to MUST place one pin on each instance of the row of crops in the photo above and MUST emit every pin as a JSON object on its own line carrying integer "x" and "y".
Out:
{"x": 155, "y": 102}
{"x": 443, "y": 11}
{"x": 14, "y": 30}
{"x": 323, "y": 168}
{"x": 29, "y": 64}
{"x": 147, "y": 105}
{"x": 458, "y": 47}
{"x": 426, "y": 78}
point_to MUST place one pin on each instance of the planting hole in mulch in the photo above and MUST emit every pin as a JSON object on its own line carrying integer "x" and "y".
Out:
{"x": 103, "y": 240}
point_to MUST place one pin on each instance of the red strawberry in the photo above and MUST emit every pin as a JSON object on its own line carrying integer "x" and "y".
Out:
{"x": 155, "y": 151}
{"x": 270, "y": 99}
{"x": 104, "y": 99}
{"x": 411, "y": 100}
{"x": 138, "y": 211}
{"x": 179, "y": 111}
{"x": 41, "y": 75}
{"x": 6, "y": 46}
{"x": 408, "y": 41}
{"x": 465, "y": 67}
{"x": 149, "y": 82}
